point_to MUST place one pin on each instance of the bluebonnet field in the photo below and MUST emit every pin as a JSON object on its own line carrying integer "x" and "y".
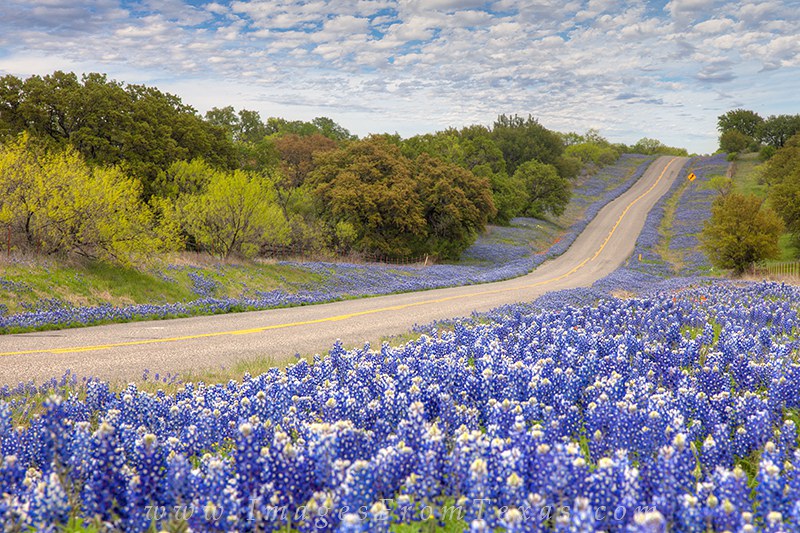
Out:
{"x": 677, "y": 411}
{"x": 503, "y": 253}
{"x": 673, "y": 411}
{"x": 669, "y": 242}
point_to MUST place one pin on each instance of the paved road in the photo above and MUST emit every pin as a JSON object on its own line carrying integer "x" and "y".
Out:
{"x": 123, "y": 351}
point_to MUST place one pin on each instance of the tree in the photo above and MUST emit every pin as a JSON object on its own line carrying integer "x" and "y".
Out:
{"x": 136, "y": 127}
{"x": 782, "y": 172}
{"x": 649, "y": 146}
{"x": 593, "y": 153}
{"x": 370, "y": 185}
{"x": 11, "y": 95}
{"x": 508, "y": 193}
{"x": 744, "y": 121}
{"x": 242, "y": 127}
{"x": 297, "y": 155}
{"x": 456, "y": 206}
{"x": 522, "y": 140}
{"x": 741, "y": 231}
{"x": 782, "y": 162}
{"x": 61, "y": 205}
{"x": 330, "y": 129}
{"x": 777, "y": 129}
{"x": 235, "y": 215}
{"x": 182, "y": 178}
{"x": 547, "y": 192}
{"x": 733, "y": 141}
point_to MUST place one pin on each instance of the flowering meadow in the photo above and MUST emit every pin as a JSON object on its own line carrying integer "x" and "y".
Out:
{"x": 673, "y": 412}
{"x": 503, "y": 253}
{"x": 669, "y": 243}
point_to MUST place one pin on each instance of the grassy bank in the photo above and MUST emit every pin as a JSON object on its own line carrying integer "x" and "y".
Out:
{"x": 33, "y": 283}
{"x": 747, "y": 178}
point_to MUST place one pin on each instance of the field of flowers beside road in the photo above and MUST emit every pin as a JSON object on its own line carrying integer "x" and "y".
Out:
{"x": 51, "y": 296}
{"x": 673, "y": 412}
{"x": 669, "y": 244}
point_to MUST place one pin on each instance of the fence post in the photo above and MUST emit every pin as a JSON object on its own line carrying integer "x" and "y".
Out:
{"x": 8, "y": 242}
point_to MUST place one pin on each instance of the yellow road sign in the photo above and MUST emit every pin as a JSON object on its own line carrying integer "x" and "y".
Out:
{"x": 691, "y": 176}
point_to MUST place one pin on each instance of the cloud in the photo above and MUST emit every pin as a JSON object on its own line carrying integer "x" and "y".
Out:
{"x": 428, "y": 64}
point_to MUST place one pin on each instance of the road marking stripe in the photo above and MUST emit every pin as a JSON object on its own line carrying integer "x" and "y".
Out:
{"x": 337, "y": 318}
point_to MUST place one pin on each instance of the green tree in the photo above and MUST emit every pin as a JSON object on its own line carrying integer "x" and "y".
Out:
{"x": 509, "y": 194}
{"x": 59, "y": 204}
{"x": 182, "y": 178}
{"x": 136, "y": 127}
{"x": 235, "y": 215}
{"x": 243, "y": 127}
{"x": 741, "y": 231}
{"x": 11, "y": 95}
{"x": 778, "y": 129}
{"x": 547, "y": 192}
{"x": 782, "y": 162}
{"x": 522, "y": 140}
{"x": 370, "y": 185}
{"x": 782, "y": 172}
{"x": 593, "y": 153}
{"x": 330, "y": 129}
{"x": 649, "y": 146}
{"x": 456, "y": 206}
{"x": 744, "y": 121}
{"x": 734, "y": 141}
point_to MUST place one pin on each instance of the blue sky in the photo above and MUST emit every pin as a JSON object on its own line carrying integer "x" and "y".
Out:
{"x": 630, "y": 69}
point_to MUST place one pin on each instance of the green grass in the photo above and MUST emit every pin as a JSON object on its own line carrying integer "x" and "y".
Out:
{"x": 672, "y": 257}
{"x": 96, "y": 283}
{"x": 747, "y": 175}
{"x": 788, "y": 246}
{"x": 747, "y": 179}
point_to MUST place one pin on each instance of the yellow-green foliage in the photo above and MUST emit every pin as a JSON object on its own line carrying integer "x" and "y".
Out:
{"x": 54, "y": 202}
{"x": 741, "y": 231}
{"x": 235, "y": 214}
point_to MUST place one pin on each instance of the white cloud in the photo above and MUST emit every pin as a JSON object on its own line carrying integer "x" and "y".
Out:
{"x": 428, "y": 64}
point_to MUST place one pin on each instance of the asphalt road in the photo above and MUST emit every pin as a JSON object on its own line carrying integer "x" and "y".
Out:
{"x": 123, "y": 351}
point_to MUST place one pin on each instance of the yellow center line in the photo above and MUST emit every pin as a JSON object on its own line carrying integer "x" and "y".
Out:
{"x": 337, "y": 318}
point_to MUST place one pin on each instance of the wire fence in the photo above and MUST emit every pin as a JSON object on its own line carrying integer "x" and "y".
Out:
{"x": 300, "y": 253}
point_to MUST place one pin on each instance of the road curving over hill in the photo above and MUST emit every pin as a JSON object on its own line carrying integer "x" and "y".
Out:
{"x": 124, "y": 351}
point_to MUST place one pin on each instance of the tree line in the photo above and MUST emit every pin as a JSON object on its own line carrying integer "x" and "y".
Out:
{"x": 103, "y": 169}
{"x": 743, "y": 130}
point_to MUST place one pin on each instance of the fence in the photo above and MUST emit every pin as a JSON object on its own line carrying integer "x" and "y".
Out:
{"x": 307, "y": 254}
{"x": 785, "y": 269}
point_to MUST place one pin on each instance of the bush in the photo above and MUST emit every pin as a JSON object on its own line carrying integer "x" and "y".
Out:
{"x": 766, "y": 152}
{"x": 733, "y": 141}
{"x": 55, "y": 203}
{"x": 235, "y": 215}
{"x": 547, "y": 191}
{"x": 741, "y": 231}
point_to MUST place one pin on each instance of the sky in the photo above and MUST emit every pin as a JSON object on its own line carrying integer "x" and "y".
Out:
{"x": 630, "y": 69}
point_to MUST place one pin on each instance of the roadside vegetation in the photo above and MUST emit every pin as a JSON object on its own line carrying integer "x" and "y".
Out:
{"x": 44, "y": 293}
{"x": 95, "y": 168}
{"x": 756, "y": 218}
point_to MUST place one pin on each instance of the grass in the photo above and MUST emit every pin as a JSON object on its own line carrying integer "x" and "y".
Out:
{"x": 672, "y": 257}
{"x": 747, "y": 175}
{"x": 747, "y": 179}
{"x": 788, "y": 246}
{"x": 165, "y": 281}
